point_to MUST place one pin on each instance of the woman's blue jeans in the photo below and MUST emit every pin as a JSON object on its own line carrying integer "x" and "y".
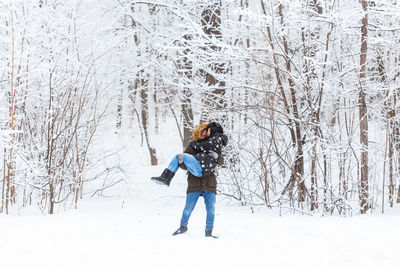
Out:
{"x": 191, "y": 200}
{"x": 192, "y": 164}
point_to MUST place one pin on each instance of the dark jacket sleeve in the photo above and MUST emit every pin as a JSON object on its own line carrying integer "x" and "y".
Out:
{"x": 200, "y": 146}
{"x": 211, "y": 143}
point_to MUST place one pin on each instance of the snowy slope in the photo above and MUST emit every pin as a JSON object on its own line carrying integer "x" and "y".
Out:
{"x": 136, "y": 230}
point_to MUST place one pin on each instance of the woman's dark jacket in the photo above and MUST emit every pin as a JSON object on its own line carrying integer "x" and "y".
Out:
{"x": 207, "y": 183}
{"x": 208, "y": 151}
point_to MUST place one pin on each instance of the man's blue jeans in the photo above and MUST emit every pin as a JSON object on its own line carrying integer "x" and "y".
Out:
{"x": 192, "y": 164}
{"x": 191, "y": 200}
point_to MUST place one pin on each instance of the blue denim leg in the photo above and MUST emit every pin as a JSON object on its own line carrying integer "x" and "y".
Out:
{"x": 209, "y": 200}
{"x": 191, "y": 163}
{"x": 173, "y": 165}
{"x": 191, "y": 200}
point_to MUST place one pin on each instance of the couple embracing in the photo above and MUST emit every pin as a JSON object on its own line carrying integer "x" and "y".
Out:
{"x": 200, "y": 159}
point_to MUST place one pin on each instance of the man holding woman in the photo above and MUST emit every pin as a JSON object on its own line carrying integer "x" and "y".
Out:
{"x": 200, "y": 159}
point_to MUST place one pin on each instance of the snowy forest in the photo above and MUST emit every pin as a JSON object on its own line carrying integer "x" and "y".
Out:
{"x": 306, "y": 91}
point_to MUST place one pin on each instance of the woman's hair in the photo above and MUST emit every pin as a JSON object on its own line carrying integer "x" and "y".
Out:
{"x": 198, "y": 130}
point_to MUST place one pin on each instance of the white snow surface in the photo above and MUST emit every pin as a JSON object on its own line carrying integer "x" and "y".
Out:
{"x": 135, "y": 230}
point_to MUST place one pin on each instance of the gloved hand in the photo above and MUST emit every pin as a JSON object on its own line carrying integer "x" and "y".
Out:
{"x": 180, "y": 158}
{"x": 213, "y": 154}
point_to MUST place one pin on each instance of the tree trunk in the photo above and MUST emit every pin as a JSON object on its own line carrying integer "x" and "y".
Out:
{"x": 215, "y": 100}
{"x": 145, "y": 120}
{"x": 187, "y": 117}
{"x": 156, "y": 108}
{"x": 119, "y": 106}
{"x": 187, "y": 67}
{"x": 9, "y": 161}
{"x": 298, "y": 169}
{"x": 363, "y": 187}
{"x": 395, "y": 132}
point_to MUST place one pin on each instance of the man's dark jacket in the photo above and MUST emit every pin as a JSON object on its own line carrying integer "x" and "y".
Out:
{"x": 207, "y": 183}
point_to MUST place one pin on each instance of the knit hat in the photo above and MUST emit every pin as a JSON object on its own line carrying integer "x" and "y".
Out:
{"x": 215, "y": 128}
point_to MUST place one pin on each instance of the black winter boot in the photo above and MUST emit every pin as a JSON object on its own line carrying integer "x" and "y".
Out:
{"x": 180, "y": 230}
{"x": 208, "y": 232}
{"x": 165, "y": 177}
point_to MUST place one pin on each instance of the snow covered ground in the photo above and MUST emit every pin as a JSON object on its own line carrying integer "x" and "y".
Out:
{"x": 136, "y": 230}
